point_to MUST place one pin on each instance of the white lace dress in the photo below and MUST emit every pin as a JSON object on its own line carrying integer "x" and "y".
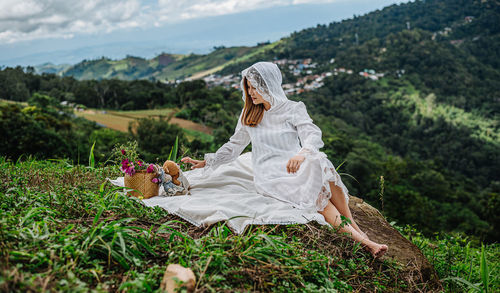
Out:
{"x": 285, "y": 130}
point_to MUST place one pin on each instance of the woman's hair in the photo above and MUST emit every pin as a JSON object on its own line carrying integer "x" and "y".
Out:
{"x": 252, "y": 114}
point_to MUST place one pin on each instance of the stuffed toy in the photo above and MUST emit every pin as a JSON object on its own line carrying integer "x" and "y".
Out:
{"x": 173, "y": 181}
{"x": 171, "y": 168}
{"x": 167, "y": 182}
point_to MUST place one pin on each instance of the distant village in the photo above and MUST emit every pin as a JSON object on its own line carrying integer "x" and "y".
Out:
{"x": 303, "y": 69}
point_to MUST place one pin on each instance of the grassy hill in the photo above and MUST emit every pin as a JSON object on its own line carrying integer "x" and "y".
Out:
{"x": 63, "y": 228}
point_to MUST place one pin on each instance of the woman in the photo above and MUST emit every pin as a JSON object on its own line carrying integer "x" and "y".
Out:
{"x": 287, "y": 162}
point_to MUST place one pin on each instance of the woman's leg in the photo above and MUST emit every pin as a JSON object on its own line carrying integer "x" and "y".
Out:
{"x": 339, "y": 201}
{"x": 332, "y": 216}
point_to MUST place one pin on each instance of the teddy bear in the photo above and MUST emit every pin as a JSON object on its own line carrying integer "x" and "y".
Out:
{"x": 171, "y": 168}
{"x": 173, "y": 181}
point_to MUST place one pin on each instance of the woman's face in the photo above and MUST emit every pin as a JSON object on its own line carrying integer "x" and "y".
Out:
{"x": 254, "y": 94}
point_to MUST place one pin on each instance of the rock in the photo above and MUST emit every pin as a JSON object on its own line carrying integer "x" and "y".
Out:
{"x": 177, "y": 276}
{"x": 373, "y": 223}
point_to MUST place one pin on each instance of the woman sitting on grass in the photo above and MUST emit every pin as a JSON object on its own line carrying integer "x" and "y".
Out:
{"x": 287, "y": 163}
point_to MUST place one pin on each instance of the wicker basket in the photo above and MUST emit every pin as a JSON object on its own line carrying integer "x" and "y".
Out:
{"x": 142, "y": 185}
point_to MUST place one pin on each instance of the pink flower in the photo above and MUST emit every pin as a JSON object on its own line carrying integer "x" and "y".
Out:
{"x": 150, "y": 169}
{"x": 125, "y": 165}
{"x": 155, "y": 180}
{"x": 139, "y": 163}
{"x": 130, "y": 170}
{"x": 123, "y": 152}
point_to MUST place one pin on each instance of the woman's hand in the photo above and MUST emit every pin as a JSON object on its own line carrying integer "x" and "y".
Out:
{"x": 294, "y": 163}
{"x": 195, "y": 163}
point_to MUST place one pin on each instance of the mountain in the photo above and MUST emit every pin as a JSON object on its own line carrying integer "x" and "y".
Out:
{"x": 431, "y": 116}
{"x": 164, "y": 67}
{"x": 51, "y": 68}
{"x": 448, "y": 47}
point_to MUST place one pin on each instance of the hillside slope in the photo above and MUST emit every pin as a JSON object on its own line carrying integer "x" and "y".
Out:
{"x": 107, "y": 241}
{"x": 164, "y": 67}
{"x": 433, "y": 113}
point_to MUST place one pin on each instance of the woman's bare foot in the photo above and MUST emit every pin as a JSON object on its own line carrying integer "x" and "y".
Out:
{"x": 377, "y": 250}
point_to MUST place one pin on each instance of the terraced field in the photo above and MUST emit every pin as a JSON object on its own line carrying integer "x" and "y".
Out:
{"x": 119, "y": 120}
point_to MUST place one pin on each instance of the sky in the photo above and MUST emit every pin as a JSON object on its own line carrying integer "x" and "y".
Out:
{"x": 67, "y": 31}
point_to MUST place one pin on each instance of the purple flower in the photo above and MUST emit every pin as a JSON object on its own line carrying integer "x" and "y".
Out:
{"x": 139, "y": 163}
{"x": 125, "y": 165}
{"x": 123, "y": 152}
{"x": 155, "y": 180}
{"x": 130, "y": 170}
{"x": 150, "y": 169}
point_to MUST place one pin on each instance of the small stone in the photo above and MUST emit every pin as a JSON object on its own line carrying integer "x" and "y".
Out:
{"x": 176, "y": 277}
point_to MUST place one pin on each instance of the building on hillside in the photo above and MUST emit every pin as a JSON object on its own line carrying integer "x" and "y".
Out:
{"x": 469, "y": 19}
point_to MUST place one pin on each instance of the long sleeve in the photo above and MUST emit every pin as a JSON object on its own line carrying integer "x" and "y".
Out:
{"x": 229, "y": 151}
{"x": 309, "y": 134}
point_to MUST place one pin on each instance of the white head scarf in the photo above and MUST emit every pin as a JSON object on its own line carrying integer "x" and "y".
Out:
{"x": 266, "y": 78}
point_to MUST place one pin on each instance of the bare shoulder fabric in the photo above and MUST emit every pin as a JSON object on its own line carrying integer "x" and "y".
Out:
{"x": 228, "y": 194}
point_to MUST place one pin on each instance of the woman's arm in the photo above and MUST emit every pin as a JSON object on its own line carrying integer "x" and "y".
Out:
{"x": 309, "y": 134}
{"x": 229, "y": 151}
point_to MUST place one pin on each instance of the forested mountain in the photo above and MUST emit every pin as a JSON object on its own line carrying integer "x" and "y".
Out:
{"x": 164, "y": 67}
{"x": 448, "y": 47}
{"x": 422, "y": 143}
{"x": 441, "y": 65}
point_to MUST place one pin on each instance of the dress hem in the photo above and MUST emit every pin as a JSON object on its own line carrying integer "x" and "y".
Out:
{"x": 329, "y": 175}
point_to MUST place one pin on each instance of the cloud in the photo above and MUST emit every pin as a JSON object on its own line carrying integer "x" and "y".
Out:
{"x": 24, "y": 20}
{"x": 28, "y": 20}
{"x": 174, "y": 10}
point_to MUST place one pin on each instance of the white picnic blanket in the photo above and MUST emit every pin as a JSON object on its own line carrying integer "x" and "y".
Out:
{"x": 228, "y": 194}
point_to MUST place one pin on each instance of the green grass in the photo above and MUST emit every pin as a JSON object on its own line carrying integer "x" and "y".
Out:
{"x": 204, "y": 137}
{"x": 463, "y": 264}
{"x": 482, "y": 128}
{"x": 63, "y": 228}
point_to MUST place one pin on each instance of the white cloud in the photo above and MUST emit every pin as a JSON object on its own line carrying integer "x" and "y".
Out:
{"x": 22, "y": 20}
{"x": 28, "y": 20}
{"x": 173, "y": 10}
